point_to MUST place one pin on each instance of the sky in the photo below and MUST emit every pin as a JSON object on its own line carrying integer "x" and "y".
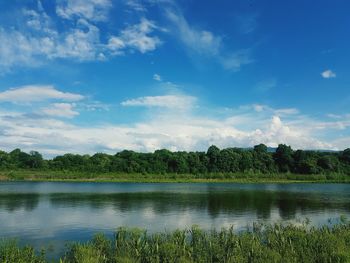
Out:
{"x": 86, "y": 76}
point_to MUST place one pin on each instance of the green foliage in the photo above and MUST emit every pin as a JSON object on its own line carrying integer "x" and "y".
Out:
{"x": 214, "y": 164}
{"x": 10, "y": 252}
{"x": 284, "y": 158}
{"x": 259, "y": 244}
{"x": 270, "y": 243}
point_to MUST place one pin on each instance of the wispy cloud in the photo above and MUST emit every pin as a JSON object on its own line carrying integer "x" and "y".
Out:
{"x": 136, "y": 5}
{"x": 235, "y": 60}
{"x": 247, "y": 23}
{"x": 94, "y": 10}
{"x": 166, "y": 101}
{"x": 206, "y": 43}
{"x": 266, "y": 85}
{"x": 157, "y": 77}
{"x": 287, "y": 111}
{"x": 201, "y": 41}
{"x": 328, "y": 74}
{"x": 135, "y": 37}
{"x": 35, "y": 93}
{"x": 270, "y": 110}
{"x": 65, "y": 110}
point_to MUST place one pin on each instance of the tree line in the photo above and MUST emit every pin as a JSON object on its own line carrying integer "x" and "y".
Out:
{"x": 230, "y": 160}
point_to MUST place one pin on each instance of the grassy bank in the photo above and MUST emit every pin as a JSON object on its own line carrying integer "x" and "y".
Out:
{"x": 263, "y": 243}
{"x": 32, "y": 175}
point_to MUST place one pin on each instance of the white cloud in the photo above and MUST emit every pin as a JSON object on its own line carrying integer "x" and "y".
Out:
{"x": 136, "y": 37}
{"x": 94, "y": 10}
{"x": 64, "y": 110}
{"x": 44, "y": 42}
{"x": 327, "y": 74}
{"x": 81, "y": 43}
{"x": 40, "y": 40}
{"x": 36, "y": 93}
{"x": 115, "y": 45}
{"x": 38, "y": 20}
{"x": 166, "y": 101}
{"x": 180, "y": 124}
{"x": 171, "y": 130}
{"x": 19, "y": 49}
{"x": 157, "y": 77}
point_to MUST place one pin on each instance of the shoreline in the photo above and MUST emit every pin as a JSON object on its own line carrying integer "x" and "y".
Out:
{"x": 57, "y": 176}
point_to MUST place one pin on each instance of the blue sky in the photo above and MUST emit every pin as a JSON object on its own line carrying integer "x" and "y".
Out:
{"x": 88, "y": 76}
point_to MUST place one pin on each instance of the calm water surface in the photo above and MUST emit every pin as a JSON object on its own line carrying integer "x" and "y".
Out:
{"x": 49, "y": 214}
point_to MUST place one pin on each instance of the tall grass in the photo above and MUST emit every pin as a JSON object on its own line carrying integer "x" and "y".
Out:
{"x": 10, "y": 252}
{"x": 262, "y": 243}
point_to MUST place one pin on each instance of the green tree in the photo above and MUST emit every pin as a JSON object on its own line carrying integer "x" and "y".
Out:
{"x": 260, "y": 148}
{"x": 228, "y": 161}
{"x": 35, "y": 160}
{"x": 345, "y": 155}
{"x": 284, "y": 158}
{"x": 329, "y": 163}
{"x": 246, "y": 162}
{"x": 262, "y": 159}
{"x": 213, "y": 154}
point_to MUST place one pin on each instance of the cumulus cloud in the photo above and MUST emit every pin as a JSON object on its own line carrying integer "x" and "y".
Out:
{"x": 169, "y": 130}
{"x": 166, "y": 101}
{"x": 179, "y": 127}
{"x": 37, "y": 93}
{"x": 328, "y": 74}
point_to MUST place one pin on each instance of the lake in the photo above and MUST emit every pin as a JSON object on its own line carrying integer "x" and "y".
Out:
{"x": 49, "y": 214}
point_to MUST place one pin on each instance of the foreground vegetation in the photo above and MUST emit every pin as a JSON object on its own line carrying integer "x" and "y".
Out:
{"x": 231, "y": 163}
{"x": 262, "y": 243}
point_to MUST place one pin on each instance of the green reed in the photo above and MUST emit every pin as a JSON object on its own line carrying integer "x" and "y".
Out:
{"x": 261, "y": 243}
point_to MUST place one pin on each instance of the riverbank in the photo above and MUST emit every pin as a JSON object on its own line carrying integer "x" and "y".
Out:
{"x": 32, "y": 175}
{"x": 262, "y": 243}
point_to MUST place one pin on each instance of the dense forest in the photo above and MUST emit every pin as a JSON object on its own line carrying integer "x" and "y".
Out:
{"x": 230, "y": 160}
